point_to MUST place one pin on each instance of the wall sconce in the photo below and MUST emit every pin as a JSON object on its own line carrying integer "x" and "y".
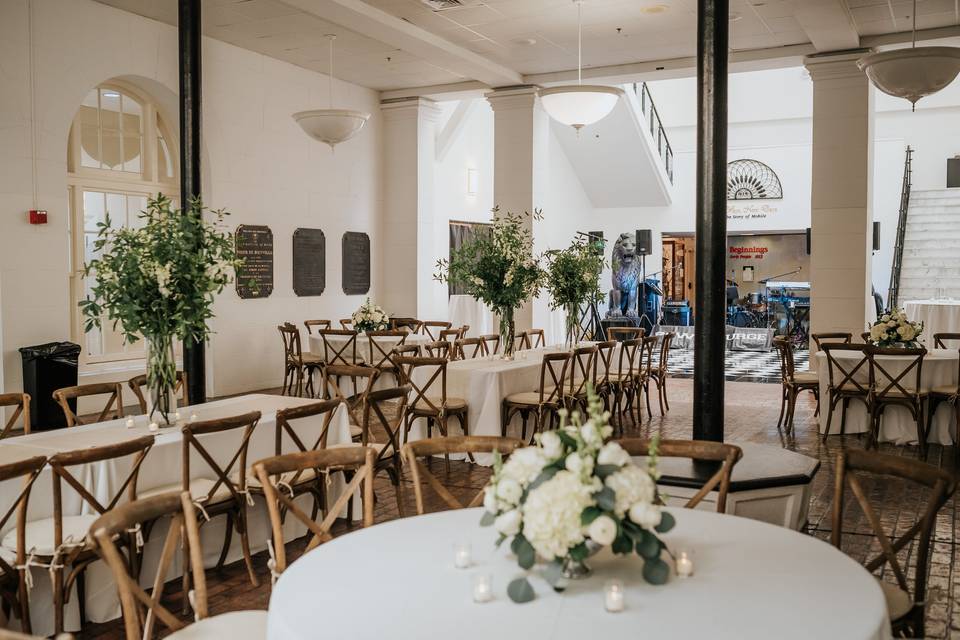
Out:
{"x": 473, "y": 179}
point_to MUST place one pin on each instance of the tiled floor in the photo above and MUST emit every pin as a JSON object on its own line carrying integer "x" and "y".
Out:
{"x": 751, "y": 416}
{"x": 741, "y": 366}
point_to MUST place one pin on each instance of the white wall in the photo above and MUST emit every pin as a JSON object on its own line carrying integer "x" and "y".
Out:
{"x": 258, "y": 165}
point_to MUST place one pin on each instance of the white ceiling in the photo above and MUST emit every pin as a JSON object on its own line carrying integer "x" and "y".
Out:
{"x": 498, "y": 41}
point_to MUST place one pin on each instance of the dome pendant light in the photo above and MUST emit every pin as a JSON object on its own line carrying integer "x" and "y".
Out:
{"x": 580, "y": 104}
{"x": 912, "y": 73}
{"x": 331, "y": 126}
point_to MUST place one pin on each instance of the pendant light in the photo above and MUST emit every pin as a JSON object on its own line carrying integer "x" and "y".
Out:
{"x": 912, "y": 73}
{"x": 330, "y": 125}
{"x": 580, "y": 104}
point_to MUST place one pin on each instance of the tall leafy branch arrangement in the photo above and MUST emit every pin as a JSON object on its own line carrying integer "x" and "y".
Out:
{"x": 573, "y": 279}
{"x": 158, "y": 281}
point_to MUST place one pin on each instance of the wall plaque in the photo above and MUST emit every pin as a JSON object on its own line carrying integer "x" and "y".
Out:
{"x": 255, "y": 248}
{"x": 309, "y": 262}
{"x": 356, "y": 263}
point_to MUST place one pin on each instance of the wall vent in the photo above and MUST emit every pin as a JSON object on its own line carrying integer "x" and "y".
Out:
{"x": 440, "y": 5}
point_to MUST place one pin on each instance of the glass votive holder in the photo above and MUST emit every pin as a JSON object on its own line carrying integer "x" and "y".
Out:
{"x": 153, "y": 427}
{"x": 193, "y": 417}
{"x": 614, "y": 597}
{"x": 130, "y": 423}
{"x": 482, "y": 587}
{"x": 462, "y": 556}
{"x": 684, "y": 563}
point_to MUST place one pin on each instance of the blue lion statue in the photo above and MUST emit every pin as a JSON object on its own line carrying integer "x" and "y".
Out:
{"x": 626, "y": 277}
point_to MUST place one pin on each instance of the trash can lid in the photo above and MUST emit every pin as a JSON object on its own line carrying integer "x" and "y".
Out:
{"x": 50, "y": 350}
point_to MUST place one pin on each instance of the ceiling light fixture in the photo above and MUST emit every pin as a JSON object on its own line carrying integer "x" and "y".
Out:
{"x": 580, "y": 104}
{"x": 912, "y": 73}
{"x": 330, "y": 125}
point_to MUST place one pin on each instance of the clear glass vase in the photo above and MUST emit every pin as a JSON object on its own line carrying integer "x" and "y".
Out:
{"x": 161, "y": 381}
{"x": 508, "y": 332}
{"x": 572, "y": 310}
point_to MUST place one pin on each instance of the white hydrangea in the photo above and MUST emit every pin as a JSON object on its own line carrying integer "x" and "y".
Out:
{"x": 645, "y": 514}
{"x": 631, "y": 485}
{"x": 613, "y": 453}
{"x": 551, "y": 444}
{"x": 524, "y": 465}
{"x": 551, "y": 514}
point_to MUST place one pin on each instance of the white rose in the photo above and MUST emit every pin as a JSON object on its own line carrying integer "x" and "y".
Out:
{"x": 907, "y": 332}
{"x": 603, "y": 530}
{"x": 508, "y": 523}
{"x": 551, "y": 444}
{"x": 613, "y": 453}
{"x": 509, "y": 491}
{"x": 490, "y": 500}
{"x": 524, "y": 465}
{"x": 646, "y": 515}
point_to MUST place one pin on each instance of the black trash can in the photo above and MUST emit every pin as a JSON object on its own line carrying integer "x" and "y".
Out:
{"x": 46, "y": 368}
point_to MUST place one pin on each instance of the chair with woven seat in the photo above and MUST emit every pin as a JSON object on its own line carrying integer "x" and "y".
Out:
{"x": 792, "y": 383}
{"x": 137, "y": 383}
{"x": 318, "y": 324}
{"x": 61, "y": 540}
{"x": 298, "y": 366}
{"x": 427, "y": 379}
{"x": 843, "y": 384}
{"x": 602, "y": 368}
{"x": 335, "y": 388}
{"x": 579, "y": 377}
{"x": 659, "y": 373}
{"x": 383, "y": 347}
{"x": 469, "y": 348}
{"x": 414, "y": 451}
{"x": 902, "y": 389}
{"x": 642, "y": 377}
{"x": 820, "y": 339}
{"x": 625, "y": 333}
{"x": 14, "y": 589}
{"x": 532, "y": 339}
{"x": 940, "y": 340}
{"x": 491, "y": 343}
{"x": 410, "y": 325}
{"x": 112, "y": 409}
{"x": 346, "y": 324}
{"x": 358, "y": 461}
{"x": 905, "y": 608}
{"x": 21, "y": 404}
{"x": 542, "y": 403}
{"x": 700, "y": 452}
{"x": 144, "y": 613}
{"x": 432, "y": 328}
{"x": 449, "y": 335}
{"x": 340, "y": 347}
{"x": 622, "y": 380}
{"x": 437, "y": 349}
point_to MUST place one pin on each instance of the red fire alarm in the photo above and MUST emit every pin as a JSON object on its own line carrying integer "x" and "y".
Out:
{"x": 38, "y": 216}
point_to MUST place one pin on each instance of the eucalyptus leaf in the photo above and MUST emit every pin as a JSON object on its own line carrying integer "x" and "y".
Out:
{"x": 553, "y": 574}
{"x": 649, "y": 546}
{"x": 566, "y": 439}
{"x": 500, "y": 540}
{"x": 656, "y": 571}
{"x": 667, "y": 522}
{"x": 589, "y": 515}
{"x": 487, "y": 519}
{"x": 520, "y": 591}
{"x": 606, "y": 499}
{"x": 579, "y": 552}
{"x": 544, "y": 476}
{"x": 526, "y": 556}
{"x": 632, "y": 529}
{"x": 622, "y": 545}
{"x": 604, "y": 470}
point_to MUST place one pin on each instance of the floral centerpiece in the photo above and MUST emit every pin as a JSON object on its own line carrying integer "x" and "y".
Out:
{"x": 571, "y": 495}
{"x": 572, "y": 279}
{"x": 370, "y": 317}
{"x": 498, "y": 267}
{"x": 893, "y": 329}
{"x": 158, "y": 281}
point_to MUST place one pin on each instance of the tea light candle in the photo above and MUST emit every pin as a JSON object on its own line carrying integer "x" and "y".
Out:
{"x": 193, "y": 417}
{"x": 613, "y": 596}
{"x": 129, "y": 423}
{"x": 482, "y": 587}
{"x": 684, "y": 563}
{"x": 154, "y": 426}
{"x": 461, "y": 555}
{"x": 176, "y": 416}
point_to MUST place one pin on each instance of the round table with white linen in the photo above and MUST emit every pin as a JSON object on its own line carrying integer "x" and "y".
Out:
{"x": 751, "y": 580}
{"x": 940, "y": 367}
{"x": 937, "y": 316}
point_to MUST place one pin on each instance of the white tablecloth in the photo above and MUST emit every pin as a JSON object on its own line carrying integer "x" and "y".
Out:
{"x": 468, "y": 310}
{"x": 897, "y": 425}
{"x": 937, "y": 316}
{"x": 160, "y": 467}
{"x": 752, "y": 580}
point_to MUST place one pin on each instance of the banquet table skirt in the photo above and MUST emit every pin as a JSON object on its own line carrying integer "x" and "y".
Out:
{"x": 160, "y": 467}
{"x": 897, "y": 425}
{"x": 467, "y": 310}
{"x": 937, "y": 316}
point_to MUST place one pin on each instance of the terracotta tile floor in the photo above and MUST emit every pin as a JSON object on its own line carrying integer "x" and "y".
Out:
{"x": 751, "y": 416}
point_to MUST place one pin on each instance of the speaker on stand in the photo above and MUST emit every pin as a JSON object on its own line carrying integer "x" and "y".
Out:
{"x": 649, "y": 292}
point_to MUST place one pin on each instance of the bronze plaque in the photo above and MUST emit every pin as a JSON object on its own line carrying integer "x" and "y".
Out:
{"x": 356, "y": 263}
{"x": 309, "y": 262}
{"x": 255, "y": 248}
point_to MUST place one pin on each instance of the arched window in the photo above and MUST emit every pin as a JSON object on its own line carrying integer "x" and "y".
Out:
{"x": 119, "y": 153}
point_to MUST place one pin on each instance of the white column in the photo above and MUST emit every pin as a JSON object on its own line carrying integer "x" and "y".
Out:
{"x": 520, "y": 169}
{"x": 840, "y": 212}
{"x": 409, "y": 234}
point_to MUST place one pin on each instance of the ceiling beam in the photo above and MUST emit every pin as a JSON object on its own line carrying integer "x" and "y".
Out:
{"x": 828, "y": 24}
{"x": 373, "y": 23}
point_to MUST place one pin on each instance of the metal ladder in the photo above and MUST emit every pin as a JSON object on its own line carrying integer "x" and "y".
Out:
{"x": 893, "y": 292}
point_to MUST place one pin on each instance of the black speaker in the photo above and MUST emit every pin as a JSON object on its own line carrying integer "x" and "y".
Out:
{"x": 808, "y": 240}
{"x": 644, "y": 242}
{"x": 876, "y": 235}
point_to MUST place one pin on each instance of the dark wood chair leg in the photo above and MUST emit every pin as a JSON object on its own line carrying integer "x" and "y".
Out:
{"x": 227, "y": 539}
{"x": 245, "y": 546}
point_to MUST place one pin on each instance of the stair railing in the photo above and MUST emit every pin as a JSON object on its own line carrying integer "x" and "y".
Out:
{"x": 657, "y": 132}
{"x": 893, "y": 292}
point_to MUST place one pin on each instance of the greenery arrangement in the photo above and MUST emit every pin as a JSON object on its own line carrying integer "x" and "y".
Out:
{"x": 894, "y": 329}
{"x": 498, "y": 267}
{"x": 370, "y": 317}
{"x": 573, "y": 494}
{"x": 158, "y": 281}
{"x": 573, "y": 279}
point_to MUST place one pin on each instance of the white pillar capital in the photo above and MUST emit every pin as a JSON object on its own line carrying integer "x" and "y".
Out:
{"x": 518, "y": 97}
{"x": 415, "y": 107}
{"x": 836, "y": 65}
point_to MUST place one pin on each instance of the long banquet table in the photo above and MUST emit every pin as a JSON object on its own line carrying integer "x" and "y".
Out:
{"x": 751, "y": 580}
{"x": 160, "y": 467}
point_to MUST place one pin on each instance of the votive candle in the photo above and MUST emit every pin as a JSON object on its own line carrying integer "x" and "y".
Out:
{"x": 462, "y": 557}
{"x": 482, "y": 587}
{"x": 613, "y": 596}
{"x": 154, "y": 426}
{"x": 130, "y": 423}
{"x": 684, "y": 563}
{"x": 193, "y": 417}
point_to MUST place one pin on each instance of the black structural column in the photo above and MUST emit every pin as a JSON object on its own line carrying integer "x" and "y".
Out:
{"x": 710, "y": 309}
{"x": 194, "y": 362}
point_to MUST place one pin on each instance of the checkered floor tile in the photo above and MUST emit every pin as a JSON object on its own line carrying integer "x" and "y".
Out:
{"x": 741, "y": 366}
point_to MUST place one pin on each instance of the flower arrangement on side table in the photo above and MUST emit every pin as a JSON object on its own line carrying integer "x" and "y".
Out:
{"x": 370, "y": 317}
{"x": 573, "y": 278}
{"x": 893, "y": 329}
{"x": 498, "y": 267}
{"x": 571, "y": 495}
{"x": 158, "y": 281}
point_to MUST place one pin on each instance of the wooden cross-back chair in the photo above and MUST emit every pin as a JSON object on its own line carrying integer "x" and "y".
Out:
{"x": 450, "y": 336}
{"x": 437, "y": 349}
{"x": 950, "y": 394}
{"x": 621, "y": 382}
{"x": 13, "y": 583}
{"x": 383, "y": 413}
{"x": 432, "y": 328}
{"x": 901, "y": 389}
{"x": 22, "y": 403}
{"x": 144, "y": 615}
{"x": 383, "y": 347}
{"x": 469, "y": 348}
{"x": 792, "y": 383}
{"x": 865, "y": 336}
{"x": 112, "y": 409}
{"x": 346, "y": 324}
{"x": 820, "y": 339}
{"x": 67, "y": 552}
{"x": 491, "y": 343}
{"x": 532, "y": 339}
{"x": 542, "y": 403}
{"x": 724, "y": 456}
{"x": 660, "y": 372}
{"x": 137, "y": 383}
{"x": 406, "y": 324}
{"x": 343, "y": 353}
{"x": 430, "y": 400}
{"x": 298, "y": 366}
{"x": 335, "y": 388}
{"x": 625, "y": 333}
{"x": 906, "y": 609}
{"x": 843, "y": 385}
{"x": 319, "y": 324}
{"x": 643, "y": 375}
{"x": 940, "y": 339}
{"x": 414, "y": 451}
{"x": 602, "y": 368}
{"x": 579, "y": 376}
{"x": 7, "y": 634}
{"x": 357, "y": 459}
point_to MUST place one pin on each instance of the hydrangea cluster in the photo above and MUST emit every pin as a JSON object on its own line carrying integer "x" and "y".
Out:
{"x": 894, "y": 329}
{"x": 370, "y": 317}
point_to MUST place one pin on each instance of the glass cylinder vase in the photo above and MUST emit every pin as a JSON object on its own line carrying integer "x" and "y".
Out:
{"x": 161, "y": 381}
{"x": 508, "y": 332}
{"x": 572, "y": 310}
